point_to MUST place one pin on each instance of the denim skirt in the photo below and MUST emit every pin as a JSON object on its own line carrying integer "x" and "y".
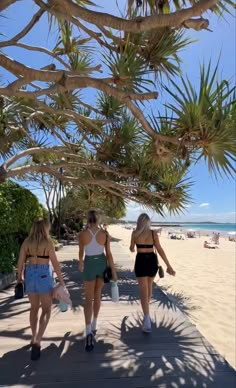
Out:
{"x": 38, "y": 279}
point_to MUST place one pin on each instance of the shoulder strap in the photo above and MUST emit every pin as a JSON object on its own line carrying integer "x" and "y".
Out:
{"x": 153, "y": 237}
{"x": 89, "y": 230}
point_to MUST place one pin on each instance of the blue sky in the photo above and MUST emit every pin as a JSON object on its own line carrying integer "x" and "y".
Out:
{"x": 212, "y": 200}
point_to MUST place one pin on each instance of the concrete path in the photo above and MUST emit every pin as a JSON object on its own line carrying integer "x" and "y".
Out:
{"x": 174, "y": 355}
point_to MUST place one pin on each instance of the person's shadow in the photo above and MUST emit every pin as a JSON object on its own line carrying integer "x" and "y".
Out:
{"x": 172, "y": 356}
{"x": 65, "y": 363}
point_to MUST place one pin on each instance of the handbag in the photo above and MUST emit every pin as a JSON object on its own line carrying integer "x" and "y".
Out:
{"x": 107, "y": 273}
{"x": 161, "y": 272}
{"x": 19, "y": 291}
{"x": 160, "y": 269}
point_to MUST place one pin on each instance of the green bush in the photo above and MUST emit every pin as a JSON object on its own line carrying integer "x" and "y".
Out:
{"x": 9, "y": 250}
{"x": 18, "y": 209}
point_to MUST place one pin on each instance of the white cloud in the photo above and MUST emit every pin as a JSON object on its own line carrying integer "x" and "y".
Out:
{"x": 204, "y": 204}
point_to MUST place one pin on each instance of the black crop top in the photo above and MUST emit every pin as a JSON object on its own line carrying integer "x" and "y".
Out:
{"x": 38, "y": 257}
{"x": 46, "y": 257}
{"x": 144, "y": 246}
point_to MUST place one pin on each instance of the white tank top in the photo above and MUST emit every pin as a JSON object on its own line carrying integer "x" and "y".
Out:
{"x": 93, "y": 248}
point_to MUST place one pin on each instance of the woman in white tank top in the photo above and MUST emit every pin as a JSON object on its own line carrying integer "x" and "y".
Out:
{"x": 93, "y": 262}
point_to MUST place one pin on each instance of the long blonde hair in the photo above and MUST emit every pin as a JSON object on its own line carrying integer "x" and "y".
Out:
{"x": 143, "y": 224}
{"x": 38, "y": 237}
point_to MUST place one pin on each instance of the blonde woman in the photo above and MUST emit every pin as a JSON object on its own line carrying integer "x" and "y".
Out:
{"x": 146, "y": 263}
{"x": 92, "y": 242}
{"x": 36, "y": 254}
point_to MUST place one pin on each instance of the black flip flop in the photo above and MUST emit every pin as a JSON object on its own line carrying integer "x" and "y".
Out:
{"x": 35, "y": 352}
{"x": 89, "y": 345}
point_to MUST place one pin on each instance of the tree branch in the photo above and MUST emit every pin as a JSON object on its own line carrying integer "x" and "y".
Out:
{"x": 107, "y": 184}
{"x": 135, "y": 25}
{"x": 4, "y": 4}
{"x": 25, "y": 30}
{"x": 65, "y": 79}
{"x": 41, "y": 50}
{"x": 33, "y": 151}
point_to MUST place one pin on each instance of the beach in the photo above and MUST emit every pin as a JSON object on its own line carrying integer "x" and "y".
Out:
{"x": 204, "y": 285}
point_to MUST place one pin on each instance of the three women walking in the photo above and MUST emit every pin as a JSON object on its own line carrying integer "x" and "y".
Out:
{"x": 37, "y": 254}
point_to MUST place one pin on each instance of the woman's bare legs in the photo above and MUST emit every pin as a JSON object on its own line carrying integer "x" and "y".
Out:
{"x": 34, "y": 309}
{"x": 143, "y": 293}
{"x": 145, "y": 290}
{"x": 97, "y": 302}
{"x": 150, "y": 284}
{"x": 92, "y": 304}
{"x": 97, "y": 296}
{"x": 91, "y": 308}
{"x": 46, "y": 305}
{"x": 89, "y": 288}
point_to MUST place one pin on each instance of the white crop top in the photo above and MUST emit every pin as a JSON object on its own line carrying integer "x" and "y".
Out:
{"x": 93, "y": 248}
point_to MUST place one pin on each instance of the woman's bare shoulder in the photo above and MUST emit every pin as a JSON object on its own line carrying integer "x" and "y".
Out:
{"x": 155, "y": 234}
{"x": 103, "y": 232}
{"x": 24, "y": 245}
{"x": 82, "y": 234}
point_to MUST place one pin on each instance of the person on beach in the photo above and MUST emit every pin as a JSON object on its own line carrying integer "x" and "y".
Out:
{"x": 34, "y": 269}
{"x": 209, "y": 246}
{"x": 146, "y": 263}
{"x": 92, "y": 242}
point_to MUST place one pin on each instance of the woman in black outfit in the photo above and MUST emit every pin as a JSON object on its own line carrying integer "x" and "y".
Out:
{"x": 146, "y": 263}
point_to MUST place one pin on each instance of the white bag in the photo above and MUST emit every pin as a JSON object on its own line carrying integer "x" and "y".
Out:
{"x": 114, "y": 292}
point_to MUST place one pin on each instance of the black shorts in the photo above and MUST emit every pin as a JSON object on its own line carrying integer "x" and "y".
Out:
{"x": 146, "y": 264}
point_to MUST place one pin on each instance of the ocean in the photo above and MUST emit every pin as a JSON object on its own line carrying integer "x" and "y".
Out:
{"x": 222, "y": 228}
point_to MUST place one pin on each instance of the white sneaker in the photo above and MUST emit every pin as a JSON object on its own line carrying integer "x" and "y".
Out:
{"x": 147, "y": 326}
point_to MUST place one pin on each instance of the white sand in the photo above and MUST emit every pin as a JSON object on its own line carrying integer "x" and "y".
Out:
{"x": 204, "y": 283}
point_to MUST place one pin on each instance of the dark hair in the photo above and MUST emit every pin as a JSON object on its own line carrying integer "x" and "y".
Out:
{"x": 92, "y": 217}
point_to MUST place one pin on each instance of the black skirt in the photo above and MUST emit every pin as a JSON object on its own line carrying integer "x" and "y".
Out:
{"x": 146, "y": 264}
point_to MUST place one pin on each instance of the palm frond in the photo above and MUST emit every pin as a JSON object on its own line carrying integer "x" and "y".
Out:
{"x": 128, "y": 70}
{"x": 109, "y": 106}
{"x": 206, "y": 117}
{"x": 159, "y": 50}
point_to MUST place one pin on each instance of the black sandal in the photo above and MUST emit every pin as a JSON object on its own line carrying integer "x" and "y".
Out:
{"x": 35, "y": 352}
{"x": 89, "y": 345}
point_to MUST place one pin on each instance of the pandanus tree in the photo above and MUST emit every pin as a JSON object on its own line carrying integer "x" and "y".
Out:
{"x": 115, "y": 138}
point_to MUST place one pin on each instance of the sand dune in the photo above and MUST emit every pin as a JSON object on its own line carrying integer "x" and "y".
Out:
{"x": 204, "y": 286}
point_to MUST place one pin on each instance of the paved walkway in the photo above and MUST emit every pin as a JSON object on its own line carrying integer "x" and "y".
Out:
{"x": 174, "y": 355}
